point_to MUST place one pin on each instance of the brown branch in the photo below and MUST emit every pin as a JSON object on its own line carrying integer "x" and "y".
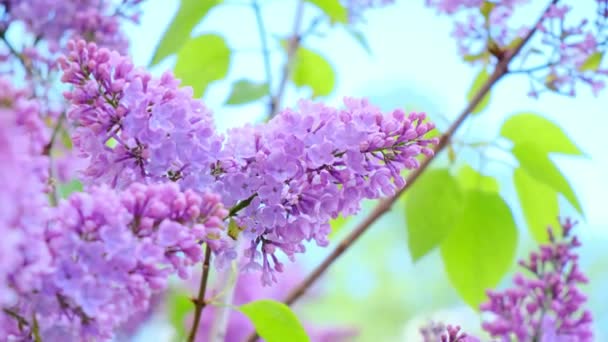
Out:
{"x": 292, "y": 47}
{"x": 385, "y": 205}
{"x": 199, "y": 302}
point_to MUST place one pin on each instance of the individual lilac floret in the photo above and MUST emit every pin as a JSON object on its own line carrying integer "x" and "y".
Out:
{"x": 55, "y": 21}
{"x": 112, "y": 251}
{"x": 548, "y": 305}
{"x": 290, "y": 177}
{"x": 565, "y": 51}
{"x": 23, "y": 201}
{"x": 134, "y": 127}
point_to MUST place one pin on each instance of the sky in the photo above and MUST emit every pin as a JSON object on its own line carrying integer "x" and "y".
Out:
{"x": 414, "y": 64}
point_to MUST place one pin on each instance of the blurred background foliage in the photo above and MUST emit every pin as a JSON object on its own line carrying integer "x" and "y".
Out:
{"x": 514, "y": 166}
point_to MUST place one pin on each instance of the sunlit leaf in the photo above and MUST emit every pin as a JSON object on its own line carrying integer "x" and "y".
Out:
{"x": 274, "y": 321}
{"x": 478, "y": 82}
{"x": 486, "y": 8}
{"x": 538, "y": 203}
{"x": 592, "y": 63}
{"x": 66, "y": 139}
{"x": 432, "y": 206}
{"x": 333, "y": 9}
{"x": 244, "y": 91}
{"x": 64, "y": 190}
{"x": 189, "y": 14}
{"x": 531, "y": 128}
{"x": 475, "y": 57}
{"x": 337, "y": 224}
{"x": 111, "y": 143}
{"x": 312, "y": 70}
{"x": 536, "y": 162}
{"x": 202, "y": 60}
{"x": 179, "y": 305}
{"x": 480, "y": 250}
{"x": 470, "y": 179}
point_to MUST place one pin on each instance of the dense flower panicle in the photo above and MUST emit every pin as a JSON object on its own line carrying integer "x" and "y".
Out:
{"x": 160, "y": 133}
{"x": 56, "y": 21}
{"x": 249, "y": 289}
{"x": 23, "y": 202}
{"x": 306, "y": 166}
{"x": 556, "y": 61}
{"x": 548, "y": 305}
{"x": 111, "y": 252}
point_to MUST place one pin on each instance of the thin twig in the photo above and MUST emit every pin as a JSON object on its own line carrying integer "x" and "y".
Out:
{"x": 265, "y": 50}
{"x": 27, "y": 66}
{"x": 292, "y": 47}
{"x": 385, "y": 205}
{"x": 199, "y": 302}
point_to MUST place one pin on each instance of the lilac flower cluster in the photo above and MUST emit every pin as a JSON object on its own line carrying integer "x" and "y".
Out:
{"x": 567, "y": 51}
{"x": 23, "y": 202}
{"x": 307, "y": 166}
{"x": 57, "y": 21}
{"x": 111, "y": 251}
{"x": 249, "y": 289}
{"x": 160, "y": 132}
{"x": 284, "y": 180}
{"x": 547, "y": 306}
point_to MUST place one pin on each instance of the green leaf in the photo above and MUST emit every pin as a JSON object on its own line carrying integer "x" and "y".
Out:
{"x": 337, "y": 224}
{"x": 188, "y": 15}
{"x": 592, "y": 63}
{"x": 111, "y": 143}
{"x": 486, "y": 8}
{"x": 435, "y": 190}
{"x": 313, "y": 70}
{"x": 64, "y": 190}
{"x": 538, "y": 203}
{"x": 245, "y": 91}
{"x": 66, "y": 139}
{"x": 480, "y": 250}
{"x": 538, "y": 165}
{"x": 202, "y": 60}
{"x": 274, "y": 321}
{"x": 531, "y": 128}
{"x": 470, "y": 179}
{"x": 475, "y": 57}
{"x": 479, "y": 81}
{"x": 179, "y": 305}
{"x": 333, "y": 9}
{"x": 234, "y": 230}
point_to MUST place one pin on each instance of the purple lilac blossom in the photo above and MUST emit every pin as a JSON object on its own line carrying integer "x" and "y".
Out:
{"x": 249, "y": 289}
{"x": 288, "y": 177}
{"x": 308, "y": 165}
{"x": 57, "y": 21}
{"x": 547, "y": 305}
{"x": 23, "y": 201}
{"x": 111, "y": 253}
{"x": 555, "y": 61}
{"x": 160, "y": 132}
